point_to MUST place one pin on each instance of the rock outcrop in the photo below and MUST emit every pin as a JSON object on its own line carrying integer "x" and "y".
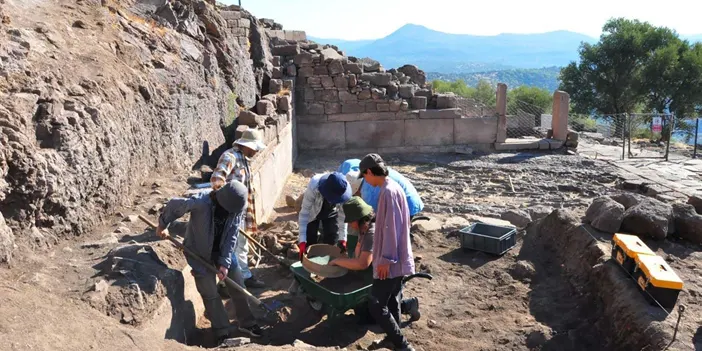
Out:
{"x": 90, "y": 109}
{"x": 605, "y": 214}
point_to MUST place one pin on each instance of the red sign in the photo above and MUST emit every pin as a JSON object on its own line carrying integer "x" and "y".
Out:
{"x": 657, "y": 125}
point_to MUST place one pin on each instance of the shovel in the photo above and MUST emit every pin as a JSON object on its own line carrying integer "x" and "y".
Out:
{"x": 230, "y": 283}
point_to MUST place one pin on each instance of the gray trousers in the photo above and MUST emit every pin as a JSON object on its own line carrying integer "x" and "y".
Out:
{"x": 214, "y": 307}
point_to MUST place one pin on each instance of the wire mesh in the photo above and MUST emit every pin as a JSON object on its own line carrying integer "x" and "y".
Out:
{"x": 525, "y": 120}
{"x": 473, "y": 108}
{"x": 600, "y": 135}
{"x": 649, "y": 135}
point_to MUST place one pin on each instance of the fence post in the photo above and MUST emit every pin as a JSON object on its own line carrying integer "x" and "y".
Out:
{"x": 697, "y": 131}
{"x": 623, "y": 136}
{"x": 501, "y": 106}
{"x": 670, "y": 135}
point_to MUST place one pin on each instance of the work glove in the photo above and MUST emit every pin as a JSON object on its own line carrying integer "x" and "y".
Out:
{"x": 302, "y": 246}
{"x": 342, "y": 245}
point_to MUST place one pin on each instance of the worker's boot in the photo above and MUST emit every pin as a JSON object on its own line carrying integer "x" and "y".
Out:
{"x": 253, "y": 283}
{"x": 414, "y": 313}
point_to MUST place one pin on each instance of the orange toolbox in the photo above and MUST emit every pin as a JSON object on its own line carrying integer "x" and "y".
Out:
{"x": 625, "y": 249}
{"x": 654, "y": 276}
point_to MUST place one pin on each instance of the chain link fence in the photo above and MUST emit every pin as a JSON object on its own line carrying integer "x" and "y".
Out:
{"x": 525, "y": 120}
{"x": 474, "y": 108}
{"x": 649, "y": 135}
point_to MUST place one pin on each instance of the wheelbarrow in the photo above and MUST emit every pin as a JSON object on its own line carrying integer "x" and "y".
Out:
{"x": 335, "y": 302}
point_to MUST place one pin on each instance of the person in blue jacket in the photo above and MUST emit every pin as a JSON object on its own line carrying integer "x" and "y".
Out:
{"x": 370, "y": 194}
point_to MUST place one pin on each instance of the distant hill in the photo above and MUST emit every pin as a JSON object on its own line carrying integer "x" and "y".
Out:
{"x": 546, "y": 78}
{"x": 435, "y": 51}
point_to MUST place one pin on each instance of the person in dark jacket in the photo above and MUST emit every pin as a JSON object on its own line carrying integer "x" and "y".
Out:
{"x": 212, "y": 233}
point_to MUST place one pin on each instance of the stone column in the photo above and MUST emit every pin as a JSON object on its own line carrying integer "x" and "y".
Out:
{"x": 559, "y": 123}
{"x": 501, "y": 112}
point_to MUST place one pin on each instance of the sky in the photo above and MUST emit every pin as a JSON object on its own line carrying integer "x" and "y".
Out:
{"x": 373, "y": 19}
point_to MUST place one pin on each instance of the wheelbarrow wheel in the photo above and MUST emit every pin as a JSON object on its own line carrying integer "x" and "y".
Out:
{"x": 317, "y": 306}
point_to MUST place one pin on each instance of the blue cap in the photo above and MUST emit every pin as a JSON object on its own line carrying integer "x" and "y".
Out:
{"x": 334, "y": 188}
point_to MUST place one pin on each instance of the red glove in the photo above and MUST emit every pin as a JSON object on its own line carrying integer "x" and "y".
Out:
{"x": 302, "y": 246}
{"x": 342, "y": 245}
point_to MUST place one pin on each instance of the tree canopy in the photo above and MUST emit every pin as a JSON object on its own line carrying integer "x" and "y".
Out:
{"x": 633, "y": 64}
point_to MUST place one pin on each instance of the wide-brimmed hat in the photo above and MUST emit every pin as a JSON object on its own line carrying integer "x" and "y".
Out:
{"x": 354, "y": 180}
{"x": 232, "y": 196}
{"x": 252, "y": 139}
{"x": 370, "y": 161}
{"x": 334, "y": 188}
{"x": 356, "y": 209}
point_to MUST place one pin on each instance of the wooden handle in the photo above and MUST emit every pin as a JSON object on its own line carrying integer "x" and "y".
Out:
{"x": 210, "y": 267}
{"x": 263, "y": 247}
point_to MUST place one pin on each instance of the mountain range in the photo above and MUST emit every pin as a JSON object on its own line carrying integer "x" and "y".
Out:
{"x": 531, "y": 59}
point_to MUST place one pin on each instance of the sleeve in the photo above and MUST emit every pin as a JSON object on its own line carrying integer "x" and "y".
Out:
{"x": 343, "y": 227}
{"x": 175, "y": 209}
{"x": 228, "y": 242}
{"x": 304, "y": 217}
{"x": 224, "y": 167}
{"x": 387, "y": 231}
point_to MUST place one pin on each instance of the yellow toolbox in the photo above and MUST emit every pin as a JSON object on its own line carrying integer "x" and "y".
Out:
{"x": 657, "y": 278}
{"x": 625, "y": 249}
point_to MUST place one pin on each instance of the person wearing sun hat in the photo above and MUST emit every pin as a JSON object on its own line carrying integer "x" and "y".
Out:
{"x": 234, "y": 165}
{"x": 321, "y": 205}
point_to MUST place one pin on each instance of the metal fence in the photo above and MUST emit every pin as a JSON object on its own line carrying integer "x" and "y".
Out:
{"x": 525, "y": 120}
{"x": 474, "y": 108}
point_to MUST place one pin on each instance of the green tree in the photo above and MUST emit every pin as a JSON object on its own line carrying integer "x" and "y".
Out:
{"x": 533, "y": 96}
{"x": 609, "y": 77}
{"x": 484, "y": 93}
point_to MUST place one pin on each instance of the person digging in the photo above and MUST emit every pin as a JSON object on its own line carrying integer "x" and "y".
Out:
{"x": 392, "y": 251}
{"x": 360, "y": 218}
{"x": 234, "y": 165}
{"x": 212, "y": 233}
{"x": 321, "y": 205}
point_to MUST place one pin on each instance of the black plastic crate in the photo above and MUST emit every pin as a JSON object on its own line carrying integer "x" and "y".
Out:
{"x": 488, "y": 238}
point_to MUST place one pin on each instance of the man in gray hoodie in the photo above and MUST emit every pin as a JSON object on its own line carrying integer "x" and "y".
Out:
{"x": 212, "y": 234}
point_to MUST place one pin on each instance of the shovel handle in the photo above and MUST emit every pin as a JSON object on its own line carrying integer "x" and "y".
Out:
{"x": 251, "y": 239}
{"x": 210, "y": 267}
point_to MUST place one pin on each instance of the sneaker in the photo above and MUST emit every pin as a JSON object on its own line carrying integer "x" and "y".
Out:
{"x": 407, "y": 347}
{"x": 253, "y": 283}
{"x": 414, "y": 313}
{"x": 253, "y": 331}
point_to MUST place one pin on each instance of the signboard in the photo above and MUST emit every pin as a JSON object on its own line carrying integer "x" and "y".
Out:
{"x": 657, "y": 125}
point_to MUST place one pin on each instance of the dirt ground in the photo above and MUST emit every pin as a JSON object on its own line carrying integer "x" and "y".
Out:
{"x": 523, "y": 300}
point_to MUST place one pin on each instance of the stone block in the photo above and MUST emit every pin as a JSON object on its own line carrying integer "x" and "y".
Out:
{"x": 331, "y": 108}
{"x": 410, "y": 114}
{"x": 276, "y": 61}
{"x": 354, "y": 68}
{"x": 314, "y": 108}
{"x": 244, "y": 23}
{"x": 276, "y": 73}
{"x": 275, "y": 86}
{"x": 352, "y": 107}
{"x": 321, "y": 70}
{"x": 327, "y": 82}
{"x": 284, "y": 103}
{"x": 335, "y": 67}
{"x": 378, "y": 93}
{"x": 446, "y": 101}
{"x": 346, "y": 96}
{"x": 240, "y": 129}
{"x": 314, "y": 82}
{"x": 303, "y": 58}
{"x": 251, "y": 119}
{"x": 230, "y": 15}
{"x": 371, "y": 106}
{"x": 365, "y": 94}
{"x": 394, "y": 105}
{"x": 406, "y": 91}
{"x": 305, "y": 72}
{"x": 309, "y": 94}
{"x": 419, "y": 102}
{"x": 285, "y": 50}
{"x": 330, "y": 54}
{"x": 311, "y": 118}
{"x": 364, "y": 116}
{"x": 291, "y": 71}
{"x": 429, "y": 132}
{"x": 393, "y": 90}
{"x": 369, "y": 134}
{"x": 424, "y": 92}
{"x": 352, "y": 80}
{"x": 321, "y": 136}
{"x": 379, "y": 79}
{"x": 288, "y": 84}
{"x": 341, "y": 82}
{"x": 475, "y": 130}
{"x": 327, "y": 95}
{"x": 444, "y": 113}
{"x": 383, "y": 107}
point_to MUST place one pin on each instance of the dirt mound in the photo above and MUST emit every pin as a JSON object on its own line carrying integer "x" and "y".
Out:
{"x": 97, "y": 97}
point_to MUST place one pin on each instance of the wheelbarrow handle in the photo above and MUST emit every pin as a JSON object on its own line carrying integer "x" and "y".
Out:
{"x": 230, "y": 283}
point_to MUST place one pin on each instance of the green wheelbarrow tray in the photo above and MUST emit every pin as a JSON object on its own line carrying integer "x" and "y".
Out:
{"x": 339, "y": 301}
